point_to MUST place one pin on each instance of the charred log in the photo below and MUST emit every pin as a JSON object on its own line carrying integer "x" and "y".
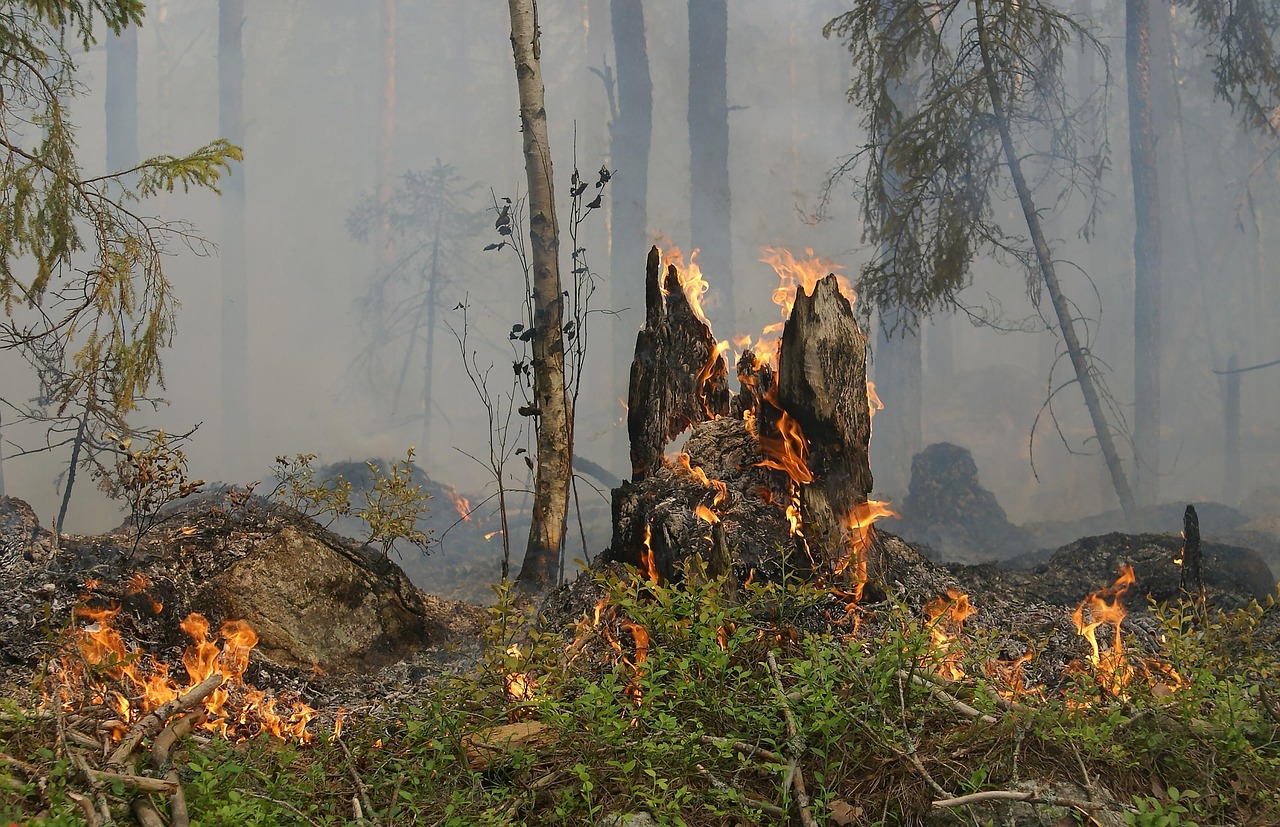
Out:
{"x": 678, "y": 378}
{"x": 1192, "y": 581}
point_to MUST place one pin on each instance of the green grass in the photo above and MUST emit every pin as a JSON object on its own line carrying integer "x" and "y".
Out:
{"x": 625, "y": 734}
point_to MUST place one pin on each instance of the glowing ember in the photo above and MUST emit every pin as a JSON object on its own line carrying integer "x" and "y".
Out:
{"x": 944, "y": 617}
{"x": 519, "y": 684}
{"x": 640, "y": 637}
{"x": 683, "y": 463}
{"x": 1011, "y": 673}
{"x": 492, "y": 534}
{"x": 236, "y": 710}
{"x": 1111, "y": 668}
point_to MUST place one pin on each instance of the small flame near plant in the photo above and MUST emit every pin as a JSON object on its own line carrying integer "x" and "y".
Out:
{"x": 944, "y": 617}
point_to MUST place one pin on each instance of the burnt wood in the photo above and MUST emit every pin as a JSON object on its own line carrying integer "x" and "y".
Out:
{"x": 677, "y": 378}
{"x": 1192, "y": 583}
{"x": 822, "y": 384}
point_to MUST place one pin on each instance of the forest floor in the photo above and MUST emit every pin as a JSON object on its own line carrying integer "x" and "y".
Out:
{"x": 626, "y": 701}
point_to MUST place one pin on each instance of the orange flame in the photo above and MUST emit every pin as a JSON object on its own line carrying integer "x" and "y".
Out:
{"x": 101, "y": 647}
{"x": 519, "y": 684}
{"x": 792, "y": 273}
{"x": 944, "y": 617}
{"x": 460, "y": 503}
{"x": 683, "y": 463}
{"x": 859, "y": 533}
{"x": 1112, "y": 668}
{"x": 691, "y": 280}
{"x": 702, "y": 512}
{"x": 640, "y": 636}
{"x": 646, "y": 556}
{"x": 789, "y": 451}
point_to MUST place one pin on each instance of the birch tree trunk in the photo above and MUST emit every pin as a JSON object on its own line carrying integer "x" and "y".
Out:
{"x": 555, "y": 420}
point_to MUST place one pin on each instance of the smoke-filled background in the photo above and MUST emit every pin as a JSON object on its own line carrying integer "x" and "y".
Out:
{"x": 345, "y": 317}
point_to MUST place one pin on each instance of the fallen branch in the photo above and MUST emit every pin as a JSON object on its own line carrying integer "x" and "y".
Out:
{"x": 1019, "y": 795}
{"x": 160, "y": 749}
{"x": 141, "y": 783}
{"x": 146, "y": 812}
{"x": 947, "y": 698}
{"x": 795, "y": 746}
{"x": 763, "y": 806}
{"x": 1006, "y": 704}
{"x": 744, "y": 748}
{"x": 157, "y": 717}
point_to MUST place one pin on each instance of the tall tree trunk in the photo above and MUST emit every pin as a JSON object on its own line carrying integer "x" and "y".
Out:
{"x": 555, "y": 420}
{"x": 383, "y": 243}
{"x": 630, "y": 135}
{"x": 1146, "y": 253}
{"x": 709, "y": 152}
{"x": 236, "y": 423}
{"x": 1044, "y": 262}
{"x": 122, "y": 99}
{"x": 898, "y": 380}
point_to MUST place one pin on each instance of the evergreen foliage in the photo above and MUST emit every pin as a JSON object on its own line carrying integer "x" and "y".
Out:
{"x": 84, "y": 293}
{"x": 933, "y": 179}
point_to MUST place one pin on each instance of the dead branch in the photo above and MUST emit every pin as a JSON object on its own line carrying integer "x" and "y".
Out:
{"x": 146, "y": 812}
{"x": 1006, "y": 704}
{"x": 361, "y": 789}
{"x": 153, "y": 721}
{"x": 30, "y": 771}
{"x": 141, "y": 783}
{"x": 744, "y": 748}
{"x": 164, "y": 742}
{"x": 763, "y": 806}
{"x": 947, "y": 698}
{"x": 1019, "y": 795}
{"x": 795, "y": 746}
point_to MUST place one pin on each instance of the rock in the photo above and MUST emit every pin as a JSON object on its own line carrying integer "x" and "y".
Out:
{"x": 314, "y": 605}
{"x": 1262, "y": 534}
{"x": 23, "y": 542}
{"x": 640, "y": 819}
{"x": 948, "y": 510}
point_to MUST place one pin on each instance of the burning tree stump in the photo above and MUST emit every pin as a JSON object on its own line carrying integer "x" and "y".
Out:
{"x": 822, "y": 385}
{"x": 778, "y": 475}
{"x": 678, "y": 377}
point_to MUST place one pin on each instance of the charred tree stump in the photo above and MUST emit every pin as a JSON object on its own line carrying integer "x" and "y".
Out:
{"x": 822, "y": 385}
{"x": 1192, "y": 581}
{"x": 678, "y": 378}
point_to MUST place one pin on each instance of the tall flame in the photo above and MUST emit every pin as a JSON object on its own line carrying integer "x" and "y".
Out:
{"x": 1112, "y": 668}
{"x": 691, "y": 280}
{"x": 944, "y": 616}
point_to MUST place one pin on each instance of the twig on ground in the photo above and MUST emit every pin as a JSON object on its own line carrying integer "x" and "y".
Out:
{"x": 1006, "y": 704}
{"x": 361, "y": 789}
{"x": 30, "y": 771}
{"x": 911, "y": 755}
{"x": 763, "y": 806}
{"x": 85, "y": 803}
{"x": 795, "y": 746}
{"x": 744, "y": 748}
{"x": 141, "y": 783}
{"x": 286, "y": 805}
{"x": 157, "y": 717}
{"x": 947, "y": 698}
{"x": 160, "y": 749}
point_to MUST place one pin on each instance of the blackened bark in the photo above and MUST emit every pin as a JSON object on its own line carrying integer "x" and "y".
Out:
{"x": 822, "y": 384}
{"x": 1192, "y": 583}
{"x": 1146, "y": 252}
{"x": 677, "y": 378}
{"x": 709, "y": 151}
{"x": 630, "y": 135}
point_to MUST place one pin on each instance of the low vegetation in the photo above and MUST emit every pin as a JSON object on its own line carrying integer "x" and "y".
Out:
{"x": 675, "y": 701}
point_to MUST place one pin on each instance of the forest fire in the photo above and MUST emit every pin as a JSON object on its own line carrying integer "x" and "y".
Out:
{"x": 1113, "y": 668}
{"x": 944, "y": 617}
{"x": 103, "y": 669}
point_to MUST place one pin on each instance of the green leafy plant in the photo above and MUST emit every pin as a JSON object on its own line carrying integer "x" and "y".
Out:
{"x": 148, "y": 479}
{"x": 1154, "y": 812}
{"x": 393, "y": 505}
{"x": 298, "y": 488}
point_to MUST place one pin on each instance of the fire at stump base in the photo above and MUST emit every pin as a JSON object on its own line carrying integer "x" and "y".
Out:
{"x": 782, "y": 468}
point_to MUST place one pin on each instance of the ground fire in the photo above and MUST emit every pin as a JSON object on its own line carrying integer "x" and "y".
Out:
{"x": 99, "y": 668}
